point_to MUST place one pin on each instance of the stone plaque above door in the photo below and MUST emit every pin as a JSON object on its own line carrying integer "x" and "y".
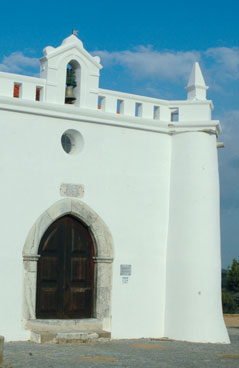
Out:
{"x": 72, "y": 190}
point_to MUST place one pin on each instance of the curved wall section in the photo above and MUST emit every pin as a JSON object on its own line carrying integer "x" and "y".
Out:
{"x": 193, "y": 280}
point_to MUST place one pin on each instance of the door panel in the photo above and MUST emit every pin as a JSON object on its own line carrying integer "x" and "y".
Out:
{"x": 48, "y": 300}
{"x": 78, "y": 270}
{"x": 65, "y": 277}
{"x": 49, "y": 269}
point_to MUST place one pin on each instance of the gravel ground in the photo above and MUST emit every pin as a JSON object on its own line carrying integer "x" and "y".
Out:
{"x": 143, "y": 353}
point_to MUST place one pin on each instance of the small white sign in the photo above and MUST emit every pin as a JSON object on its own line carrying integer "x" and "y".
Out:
{"x": 125, "y": 280}
{"x": 125, "y": 270}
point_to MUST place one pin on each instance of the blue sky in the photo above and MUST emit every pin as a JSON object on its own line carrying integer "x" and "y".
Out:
{"x": 146, "y": 48}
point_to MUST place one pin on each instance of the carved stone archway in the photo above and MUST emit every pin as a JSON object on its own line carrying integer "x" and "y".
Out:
{"x": 103, "y": 244}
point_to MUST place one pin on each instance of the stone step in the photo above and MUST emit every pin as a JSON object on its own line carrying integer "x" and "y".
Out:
{"x": 59, "y": 325}
{"x": 67, "y": 336}
{"x": 73, "y": 336}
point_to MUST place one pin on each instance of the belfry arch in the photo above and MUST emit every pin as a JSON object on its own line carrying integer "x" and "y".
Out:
{"x": 80, "y": 70}
{"x": 73, "y": 81}
{"x": 103, "y": 258}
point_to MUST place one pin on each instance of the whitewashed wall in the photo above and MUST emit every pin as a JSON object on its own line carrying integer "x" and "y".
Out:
{"x": 125, "y": 173}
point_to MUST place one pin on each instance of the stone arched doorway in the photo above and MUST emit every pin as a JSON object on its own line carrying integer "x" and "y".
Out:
{"x": 103, "y": 258}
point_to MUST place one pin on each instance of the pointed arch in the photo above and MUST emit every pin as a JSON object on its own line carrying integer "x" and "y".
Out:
{"x": 103, "y": 259}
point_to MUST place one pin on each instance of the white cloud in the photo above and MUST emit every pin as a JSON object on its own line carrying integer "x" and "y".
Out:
{"x": 144, "y": 62}
{"x": 225, "y": 61}
{"x": 18, "y": 63}
{"x": 230, "y": 129}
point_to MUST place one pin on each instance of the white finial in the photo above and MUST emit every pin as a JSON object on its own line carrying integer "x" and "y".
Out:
{"x": 196, "y": 85}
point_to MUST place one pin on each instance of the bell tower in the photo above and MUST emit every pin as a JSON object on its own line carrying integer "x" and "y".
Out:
{"x": 71, "y": 73}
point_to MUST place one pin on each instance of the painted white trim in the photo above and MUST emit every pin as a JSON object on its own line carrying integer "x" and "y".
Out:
{"x": 100, "y": 117}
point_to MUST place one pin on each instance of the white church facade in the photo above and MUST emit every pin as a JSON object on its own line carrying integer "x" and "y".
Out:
{"x": 110, "y": 215}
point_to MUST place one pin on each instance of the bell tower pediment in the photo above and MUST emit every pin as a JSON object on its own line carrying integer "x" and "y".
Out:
{"x": 86, "y": 67}
{"x": 71, "y": 43}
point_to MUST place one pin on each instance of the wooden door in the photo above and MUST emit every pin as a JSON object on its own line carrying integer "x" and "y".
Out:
{"x": 65, "y": 273}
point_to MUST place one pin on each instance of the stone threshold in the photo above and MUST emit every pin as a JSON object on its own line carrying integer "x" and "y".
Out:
{"x": 42, "y": 337}
{"x": 56, "y": 325}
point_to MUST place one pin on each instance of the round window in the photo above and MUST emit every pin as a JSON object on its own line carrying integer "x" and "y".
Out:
{"x": 72, "y": 141}
{"x": 67, "y": 143}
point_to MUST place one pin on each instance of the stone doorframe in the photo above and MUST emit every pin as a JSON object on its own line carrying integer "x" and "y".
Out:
{"x": 103, "y": 259}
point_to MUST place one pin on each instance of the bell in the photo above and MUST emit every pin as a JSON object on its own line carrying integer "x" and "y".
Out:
{"x": 69, "y": 95}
